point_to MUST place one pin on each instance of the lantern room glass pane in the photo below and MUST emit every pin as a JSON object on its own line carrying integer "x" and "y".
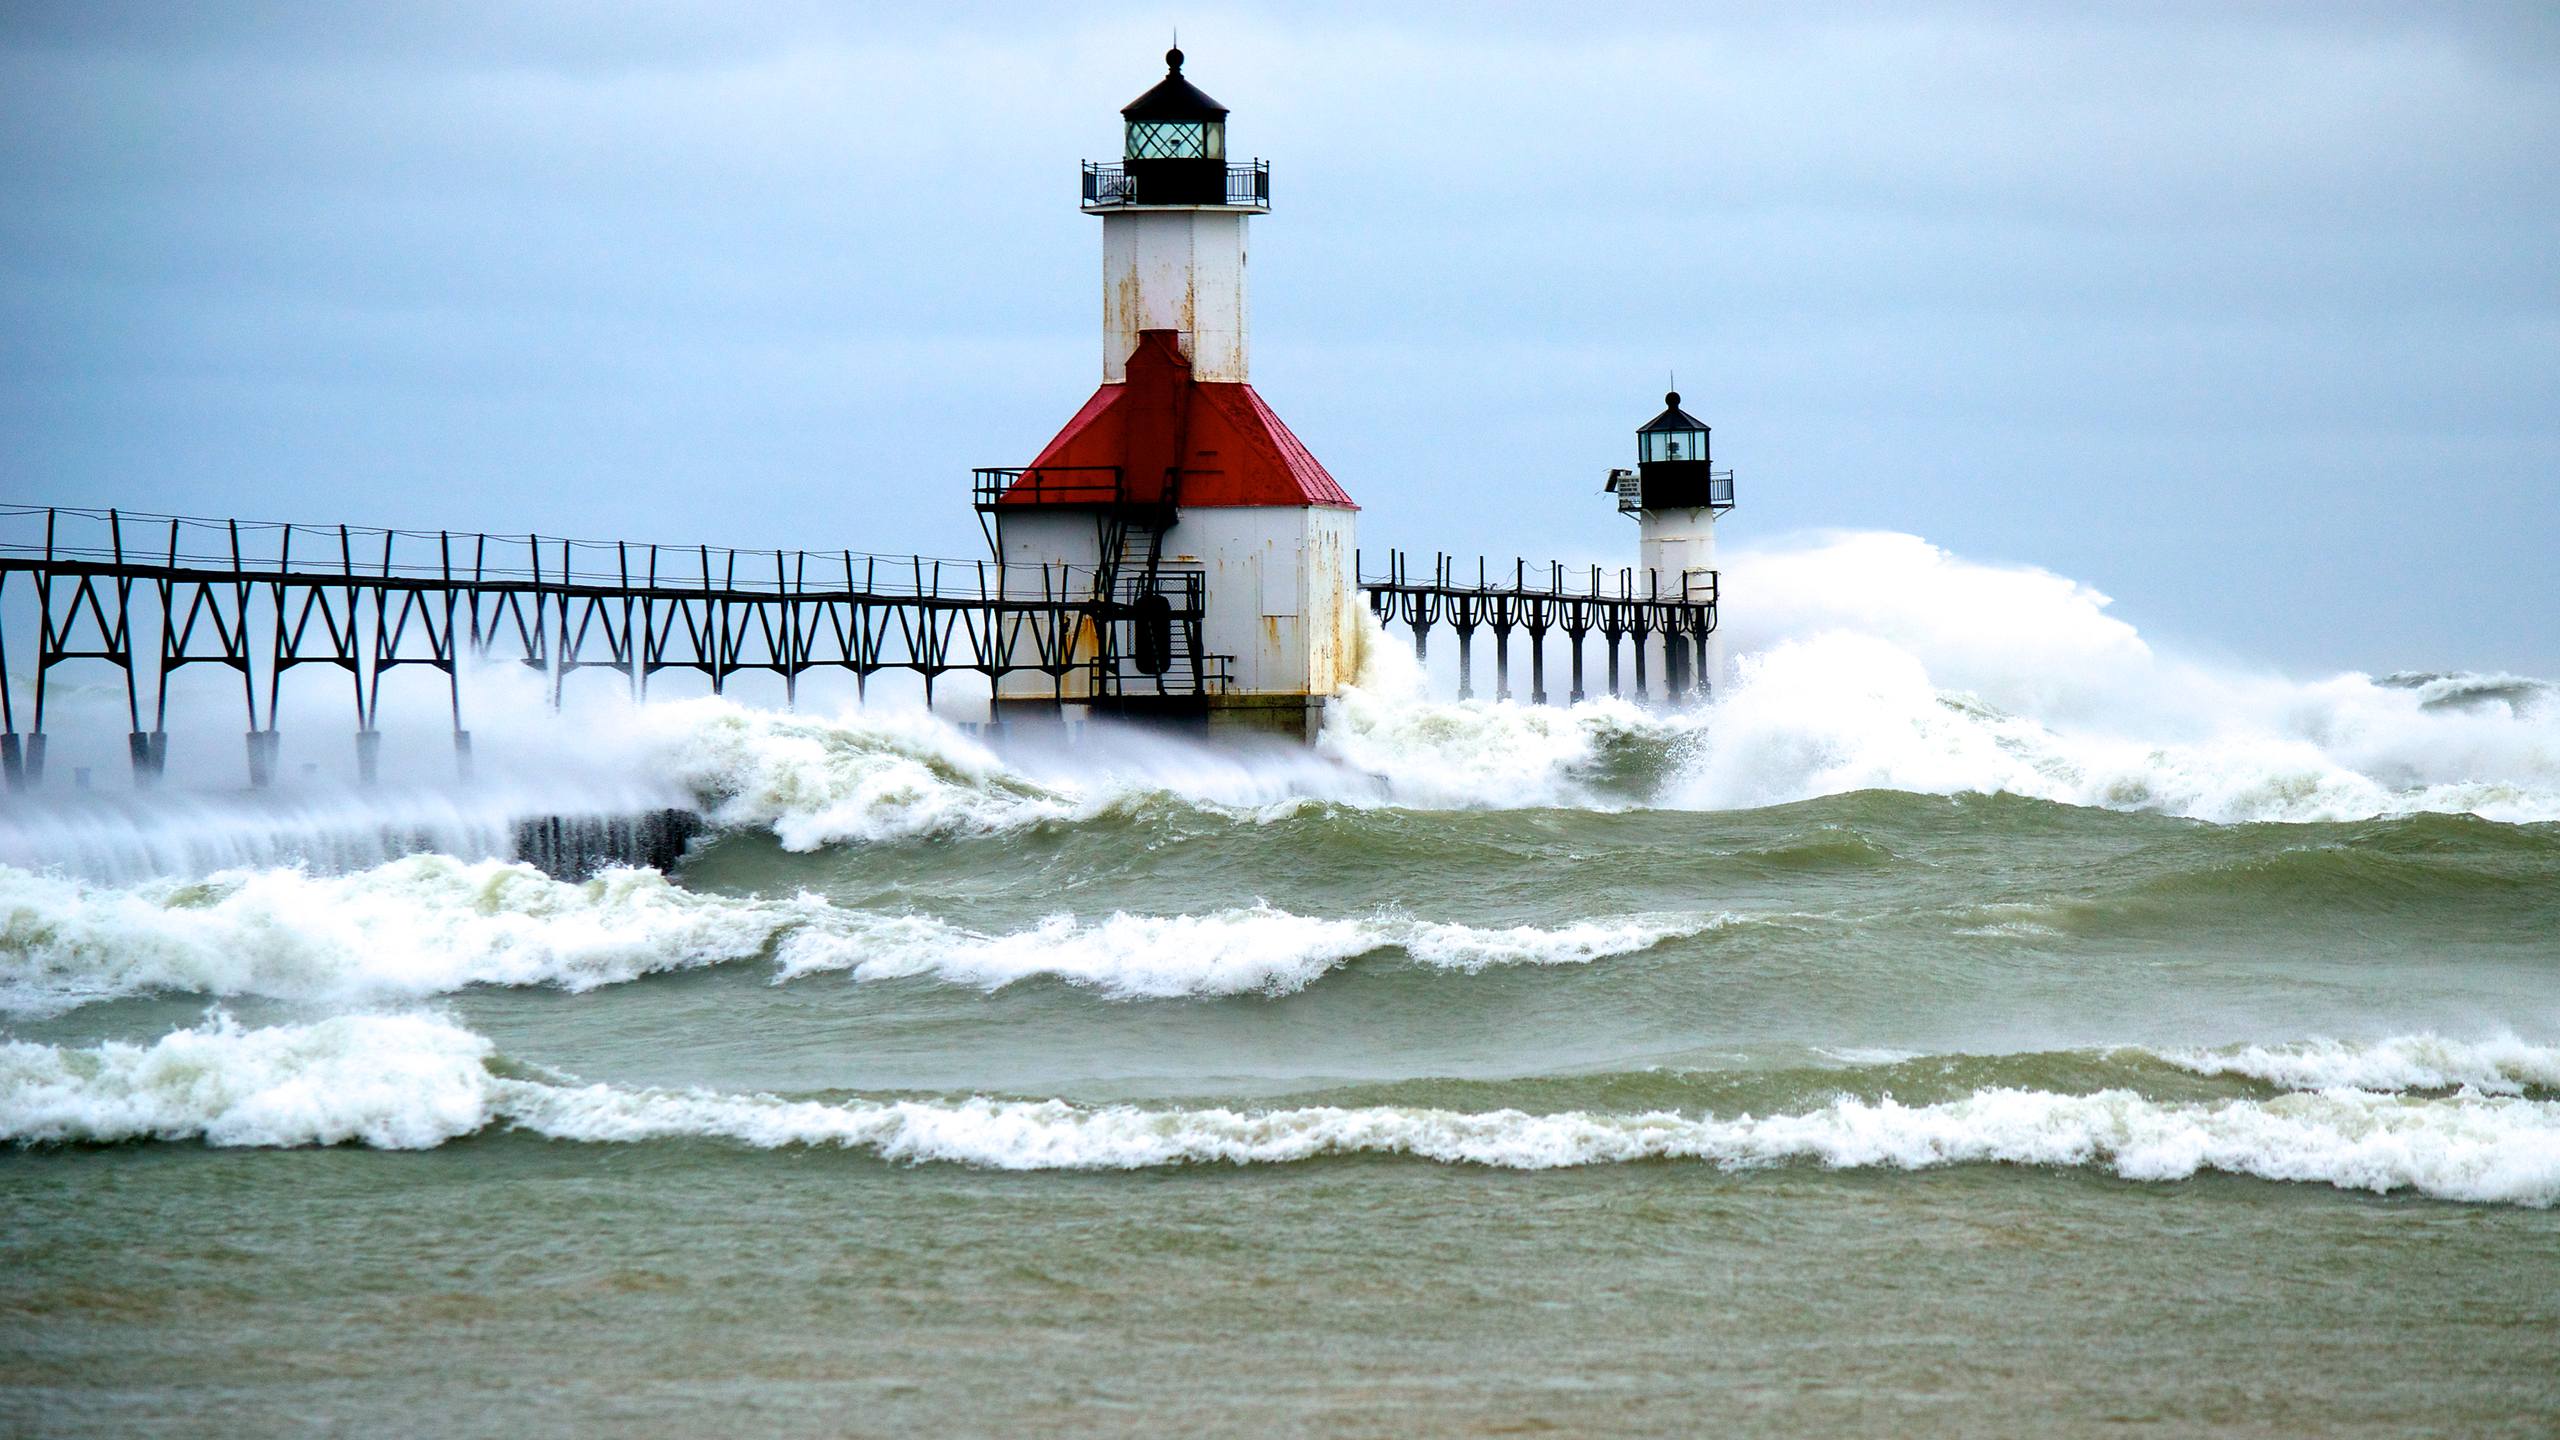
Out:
{"x": 1672, "y": 445}
{"x": 1176, "y": 140}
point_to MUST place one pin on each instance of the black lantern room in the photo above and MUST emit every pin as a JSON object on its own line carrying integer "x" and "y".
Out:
{"x": 1673, "y": 465}
{"x": 1176, "y": 153}
{"x": 1175, "y": 121}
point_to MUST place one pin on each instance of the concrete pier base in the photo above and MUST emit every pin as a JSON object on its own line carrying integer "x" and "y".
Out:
{"x": 1294, "y": 717}
{"x": 1008, "y": 716}
{"x": 1297, "y": 717}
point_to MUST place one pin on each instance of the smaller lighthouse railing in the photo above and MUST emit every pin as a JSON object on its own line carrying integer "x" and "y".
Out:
{"x": 1629, "y": 487}
{"x": 1109, "y": 185}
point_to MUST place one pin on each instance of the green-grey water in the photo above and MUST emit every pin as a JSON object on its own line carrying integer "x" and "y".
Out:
{"x": 1882, "y": 1113}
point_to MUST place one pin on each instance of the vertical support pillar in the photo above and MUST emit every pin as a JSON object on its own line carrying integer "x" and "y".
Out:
{"x": 13, "y": 762}
{"x": 1538, "y": 666}
{"x": 263, "y": 748}
{"x": 1466, "y": 661}
{"x": 1501, "y": 662}
{"x": 149, "y": 751}
{"x": 462, "y": 753}
{"x": 368, "y": 757}
{"x": 1574, "y": 639}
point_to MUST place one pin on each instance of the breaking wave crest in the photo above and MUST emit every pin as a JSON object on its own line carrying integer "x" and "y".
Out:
{"x": 423, "y": 925}
{"x": 414, "y": 1082}
{"x": 1255, "y": 949}
{"x": 430, "y": 925}
{"x": 2502, "y": 1066}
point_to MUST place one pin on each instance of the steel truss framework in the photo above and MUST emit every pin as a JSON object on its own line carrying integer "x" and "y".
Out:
{"x": 264, "y": 599}
{"x": 1646, "y": 611}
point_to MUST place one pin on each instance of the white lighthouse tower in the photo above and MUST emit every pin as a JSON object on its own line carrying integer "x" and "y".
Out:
{"x": 1675, "y": 493}
{"x": 1217, "y": 549}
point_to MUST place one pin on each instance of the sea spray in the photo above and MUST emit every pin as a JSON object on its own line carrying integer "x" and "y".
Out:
{"x": 1866, "y": 661}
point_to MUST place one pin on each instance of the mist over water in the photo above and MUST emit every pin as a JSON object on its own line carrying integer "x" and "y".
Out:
{"x": 1961, "y": 899}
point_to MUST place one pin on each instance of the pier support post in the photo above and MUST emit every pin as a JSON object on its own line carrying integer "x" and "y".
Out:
{"x": 368, "y": 757}
{"x": 462, "y": 753}
{"x": 13, "y": 762}
{"x": 34, "y": 771}
{"x": 1466, "y": 662}
{"x": 149, "y": 750}
{"x": 263, "y": 748}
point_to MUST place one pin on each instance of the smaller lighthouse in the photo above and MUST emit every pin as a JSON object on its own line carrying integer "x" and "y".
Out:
{"x": 1675, "y": 493}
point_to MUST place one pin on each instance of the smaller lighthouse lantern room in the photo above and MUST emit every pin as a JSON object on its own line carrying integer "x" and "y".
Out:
{"x": 1213, "y": 549}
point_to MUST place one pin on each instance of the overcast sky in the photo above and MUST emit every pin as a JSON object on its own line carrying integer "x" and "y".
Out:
{"x": 2248, "y": 316}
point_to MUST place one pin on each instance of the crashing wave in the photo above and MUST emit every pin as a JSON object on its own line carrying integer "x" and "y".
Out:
{"x": 1225, "y": 952}
{"x": 1867, "y": 661}
{"x": 415, "y": 1082}
{"x": 428, "y": 925}
{"x": 423, "y": 925}
{"x": 2501, "y": 1066}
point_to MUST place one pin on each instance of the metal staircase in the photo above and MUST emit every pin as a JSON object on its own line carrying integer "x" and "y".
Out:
{"x": 1146, "y": 615}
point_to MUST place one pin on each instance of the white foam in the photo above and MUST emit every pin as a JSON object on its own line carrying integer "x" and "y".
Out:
{"x": 408, "y": 1082}
{"x": 429, "y": 925}
{"x": 396, "y": 1082}
{"x": 2465, "y": 1148}
{"x": 860, "y": 775}
{"x": 1226, "y": 952}
{"x": 423, "y": 925}
{"x": 2503, "y": 1065}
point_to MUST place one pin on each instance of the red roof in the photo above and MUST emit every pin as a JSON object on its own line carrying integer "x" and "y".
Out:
{"x": 1229, "y": 446}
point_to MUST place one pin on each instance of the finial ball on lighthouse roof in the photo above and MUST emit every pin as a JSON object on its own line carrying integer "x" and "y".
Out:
{"x": 1671, "y": 398}
{"x": 1173, "y": 58}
